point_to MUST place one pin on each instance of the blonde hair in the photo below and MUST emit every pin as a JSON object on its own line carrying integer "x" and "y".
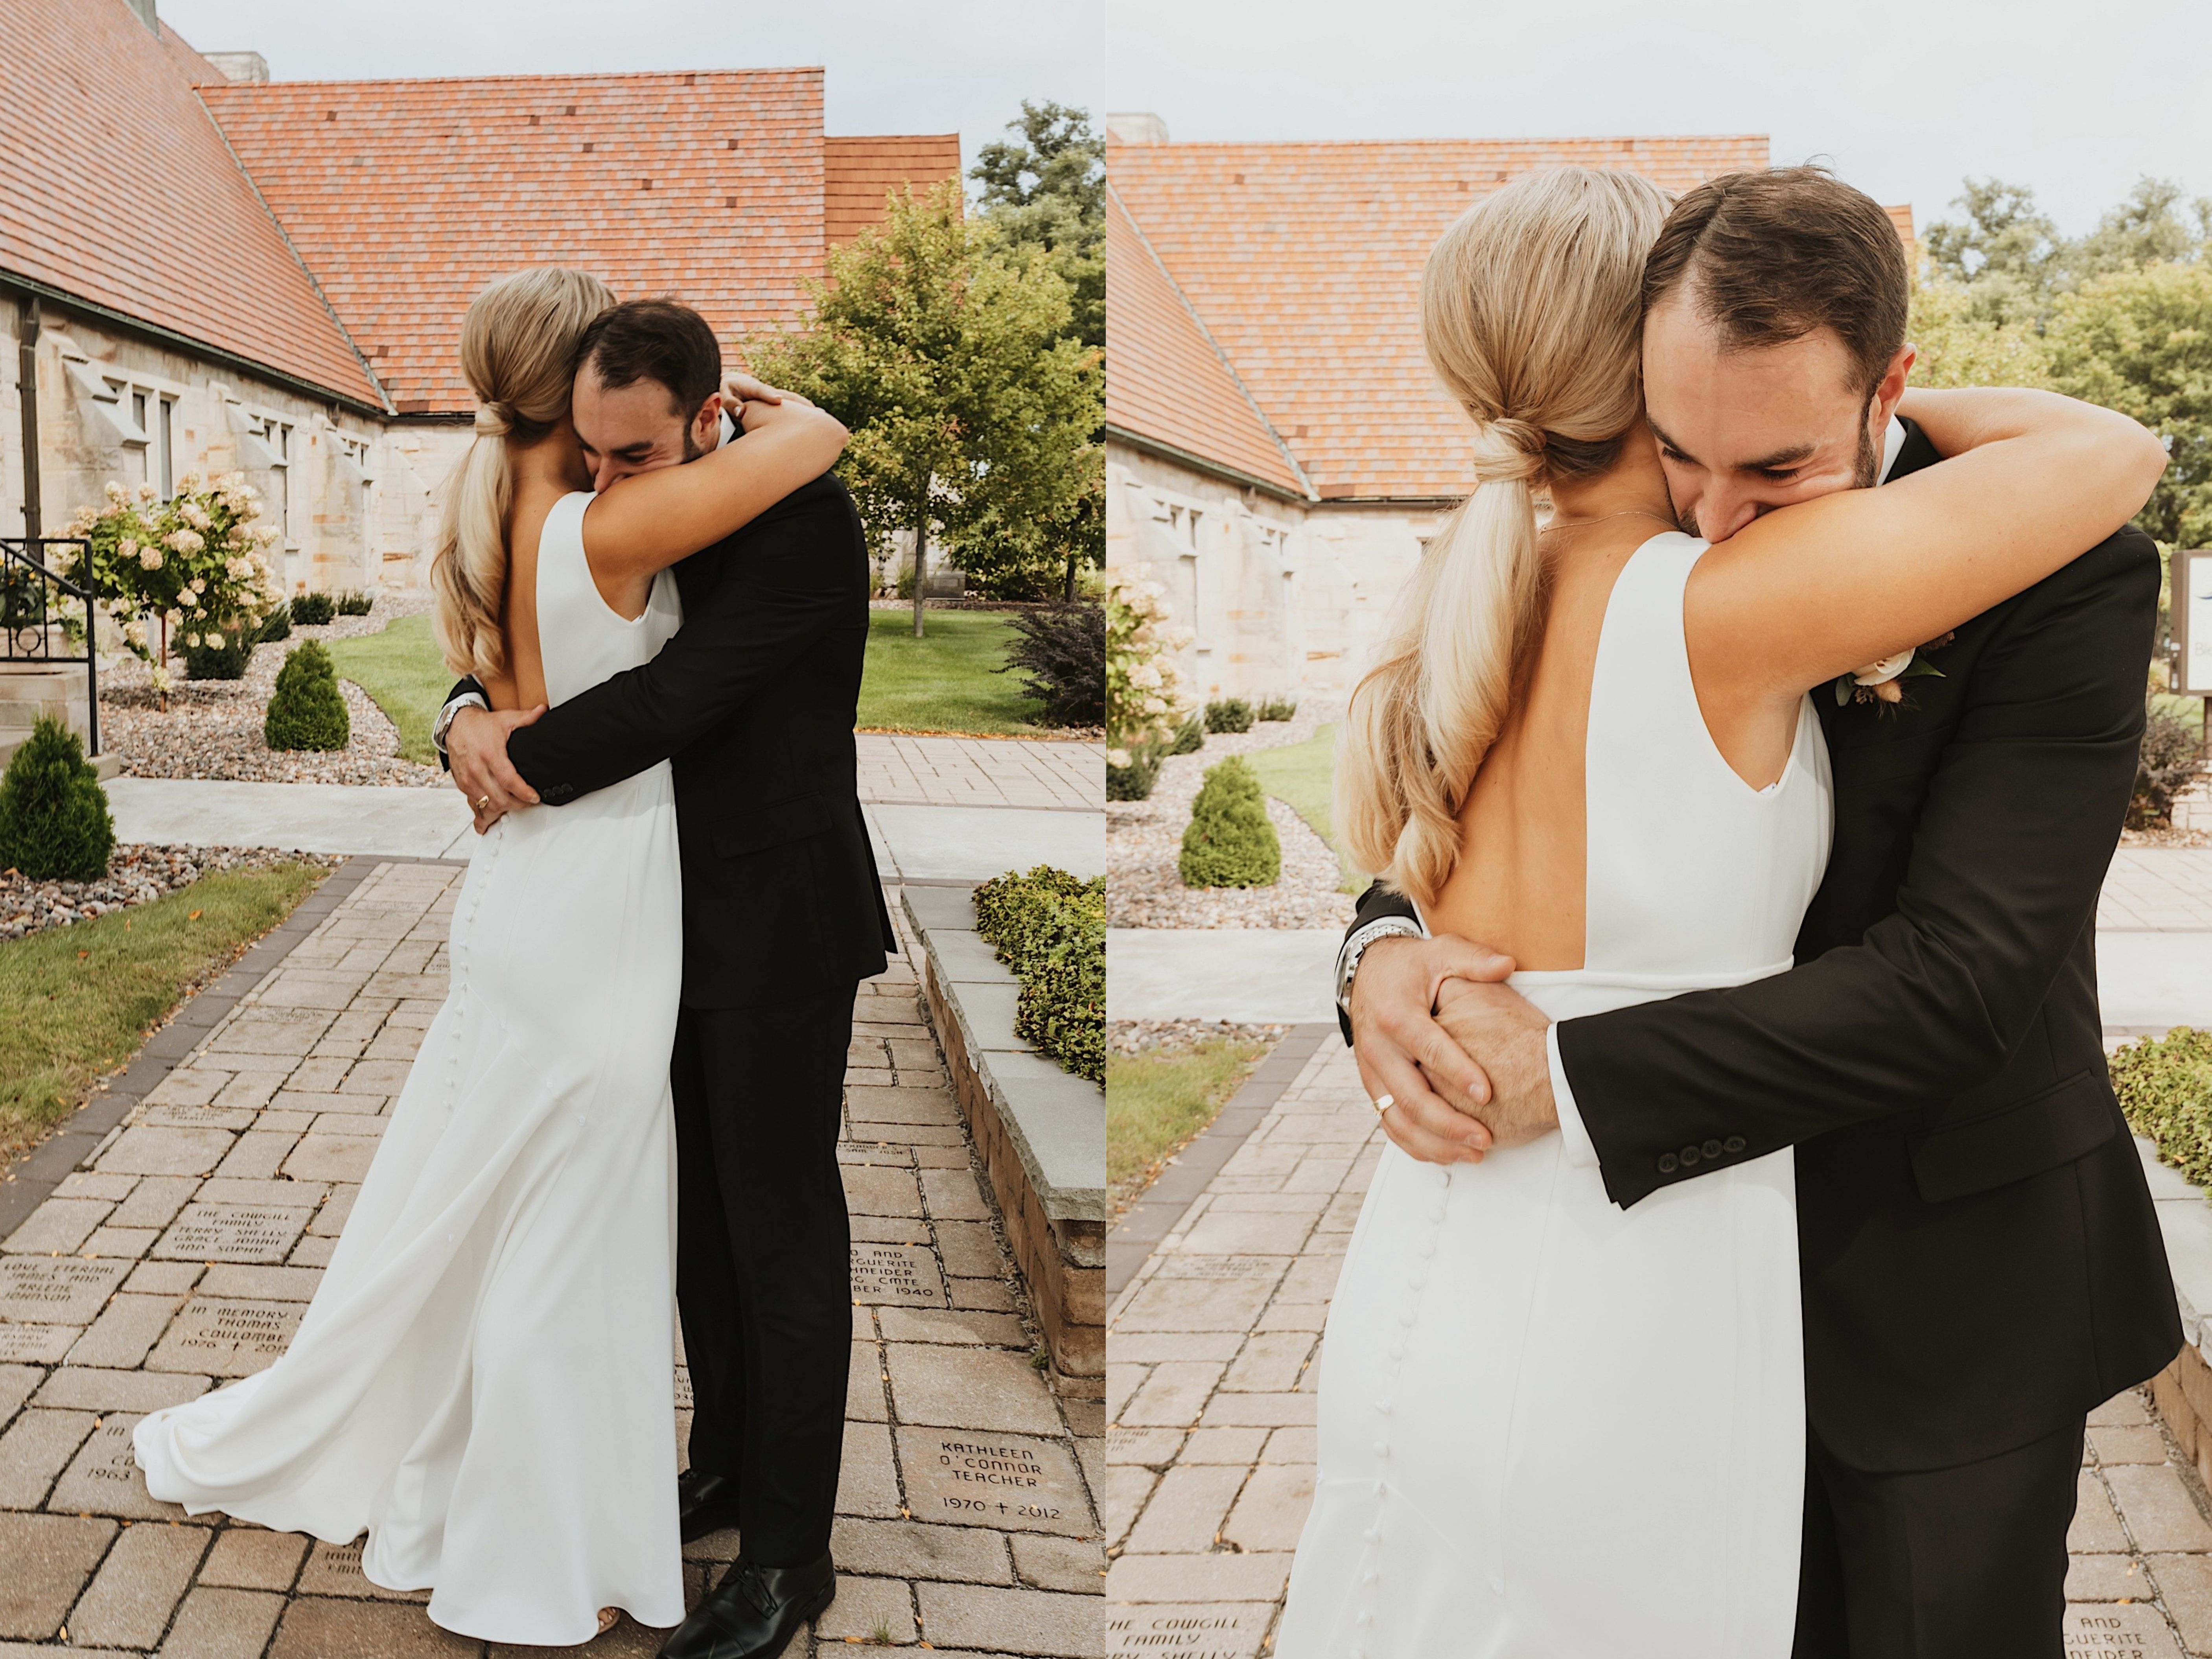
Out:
{"x": 519, "y": 353}
{"x": 1530, "y": 313}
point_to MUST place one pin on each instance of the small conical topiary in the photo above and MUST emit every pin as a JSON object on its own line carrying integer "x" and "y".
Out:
{"x": 307, "y": 710}
{"x": 54, "y": 821}
{"x": 1229, "y": 842}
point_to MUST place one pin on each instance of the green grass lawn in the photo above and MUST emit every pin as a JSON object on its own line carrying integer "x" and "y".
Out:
{"x": 1156, "y": 1101}
{"x": 942, "y": 682}
{"x": 403, "y": 675}
{"x": 1303, "y": 777}
{"x": 77, "y": 1002}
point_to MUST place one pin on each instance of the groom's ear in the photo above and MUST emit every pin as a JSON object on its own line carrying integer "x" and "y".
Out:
{"x": 707, "y": 424}
{"x": 1891, "y": 386}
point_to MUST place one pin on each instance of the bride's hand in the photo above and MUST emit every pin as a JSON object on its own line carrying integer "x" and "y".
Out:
{"x": 739, "y": 387}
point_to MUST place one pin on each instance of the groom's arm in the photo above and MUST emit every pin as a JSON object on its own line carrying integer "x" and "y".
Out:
{"x": 2007, "y": 857}
{"x": 802, "y": 573}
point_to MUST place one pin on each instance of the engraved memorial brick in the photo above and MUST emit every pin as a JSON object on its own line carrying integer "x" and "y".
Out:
{"x": 227, "y": 1336}
{"x": 905, "y": 1275}
{"x": 44, "y": 1290}
{"x": 104, "y": 1478}
{"x": 1218, "y": 1631}
{"x": 36, "y": 1344}
{"x": 975, "y": 1477}
{"x": 232, "y": 1232}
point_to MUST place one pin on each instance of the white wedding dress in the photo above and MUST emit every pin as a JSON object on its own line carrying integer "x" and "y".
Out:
{"x": 1550, "y": 1428}
{"x": 483, "y": 1380}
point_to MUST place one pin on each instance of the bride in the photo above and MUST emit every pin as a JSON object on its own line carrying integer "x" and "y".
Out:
{"x": 1550, "y": 1428}
{"x": 482, "y": 1379}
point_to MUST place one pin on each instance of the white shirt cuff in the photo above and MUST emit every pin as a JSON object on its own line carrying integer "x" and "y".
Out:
{"x": 1580, "y": 1151}
{"x": 466, "y": 699}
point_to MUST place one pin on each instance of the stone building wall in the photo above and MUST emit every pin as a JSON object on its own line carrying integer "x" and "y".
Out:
{"x": 1282, "y": 596}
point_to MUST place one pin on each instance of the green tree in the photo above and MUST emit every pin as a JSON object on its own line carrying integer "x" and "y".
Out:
{"x": 2007, "y": 255}
{"x": 2145, "y": 229}
{"x": 1047, "y": 187}
{"x": 1957, "y": 348}
{"x": 946, "y": 352}
{"x": 2140, "y": 341}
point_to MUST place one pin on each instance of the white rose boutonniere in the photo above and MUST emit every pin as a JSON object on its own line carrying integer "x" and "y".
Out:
{"x": 1882, "y": 682}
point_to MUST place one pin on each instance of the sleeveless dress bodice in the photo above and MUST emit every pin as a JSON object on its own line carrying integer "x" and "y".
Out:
{"x": 483, "y": 1381}
{"x": 1550, "y": 1428}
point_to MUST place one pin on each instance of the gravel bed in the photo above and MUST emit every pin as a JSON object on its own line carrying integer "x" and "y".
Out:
{"x": 1144, "y": 839}
{"x": 1175, "y": 1036}
{"x": 136, "y": 874}
{"x": 213, "y": 727}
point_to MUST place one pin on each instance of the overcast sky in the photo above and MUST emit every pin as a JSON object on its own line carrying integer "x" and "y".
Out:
{"x": 2076, "y": 100}
{"x": 894, "y": 65}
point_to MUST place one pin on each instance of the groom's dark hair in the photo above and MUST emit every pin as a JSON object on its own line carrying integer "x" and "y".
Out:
{"x": 1769, "y": 257}
{"x": 659, "y": 340}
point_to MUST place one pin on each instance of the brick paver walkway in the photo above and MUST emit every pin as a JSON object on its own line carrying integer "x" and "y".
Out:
{"x": 897, "y": 770}
{"x": 1213, "y": 1354}
{"x": 2158, "y": 889}
{"x": 182, "y": 1251}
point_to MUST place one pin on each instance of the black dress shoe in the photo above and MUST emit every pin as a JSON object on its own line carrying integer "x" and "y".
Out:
{"x": 754, "y": 1611}
{"x": 705, "y": 1504}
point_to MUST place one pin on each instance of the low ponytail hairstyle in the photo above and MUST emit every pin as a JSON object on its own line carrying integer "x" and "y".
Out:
{"x": 519, "y": 345}
{"x": 1529, "y": 314}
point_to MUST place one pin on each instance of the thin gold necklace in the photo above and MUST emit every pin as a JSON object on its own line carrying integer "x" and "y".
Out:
{"x": 1625, "y": 513}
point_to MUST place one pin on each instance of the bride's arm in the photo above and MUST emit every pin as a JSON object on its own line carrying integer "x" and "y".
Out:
{"x": 1820, "y": 588}
{"x": 650, "y": 521}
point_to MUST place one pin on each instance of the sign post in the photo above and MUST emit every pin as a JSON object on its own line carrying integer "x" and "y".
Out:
{"x": 2189, "y": 617}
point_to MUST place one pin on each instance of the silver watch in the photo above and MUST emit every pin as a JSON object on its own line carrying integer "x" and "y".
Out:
{"x": 447, "y": 715}
{"x": 1347, "y": 959}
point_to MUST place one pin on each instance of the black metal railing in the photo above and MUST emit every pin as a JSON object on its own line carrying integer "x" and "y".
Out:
{"x": 37, "y": 618}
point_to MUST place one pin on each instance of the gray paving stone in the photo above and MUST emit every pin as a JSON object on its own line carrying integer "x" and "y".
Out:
{"x": 868, "y": 1610}
{"x": 40, "y": 1290}
{"x": 2160, "y": 1512}
{"x": 34, "y": 1451}
{"x": 326, "y": 1627}
{"x": 1271, "y": 1512}
{"x": 1076, "y": 1565}
{"x": 16, "y": 1383}
{"x": 1223, "y": 1631}
{"x": 913, "y": 1549}
{"x": 249, "y": 1559}
{"x": 89, "y": 1183}
{"x": 335, "y": 1570}
{"x": 148, "y": 1150}
{"x": 153, "y": 1202}
{"x": 218, "y": 1623}
{"x": 956, "y": 1326}
{"x": 970, "y": 1388}
{"x": 36, "y": 1344}
{"x": 867, "y": 1484}
{"x": 49, "y": 1559}
{"x": 1025, "y": 1621}
{"x": 163, "y": 1278}
{"x": 1185, "y": 1511}
{"x": 1173, "y": 1395}
{"x": 226, "y": 1336}
{"x": 103, "y": 1479}
{"x": 2121, "y": 1631}
{"x": 78, "y": 1387}
{"x": 267, "y": 1283}
{"x": 330, "y": 1157}
{"x": 2185, "y": 1584}
{"x": 139, "y": 1584}
{"x": 59, "y": 1224}
{"x": 1221, "y": 1576}
{"x": 128, "y": 1244}
{"x": 126, "y": 1331}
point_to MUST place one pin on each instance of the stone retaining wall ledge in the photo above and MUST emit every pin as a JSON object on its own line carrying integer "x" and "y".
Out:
{"x": 2184, "y": 1389}
{"x": 1041, "y": 1133}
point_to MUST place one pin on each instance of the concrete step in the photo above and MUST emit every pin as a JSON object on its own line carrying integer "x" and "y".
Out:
{"x": 109, "y": 765}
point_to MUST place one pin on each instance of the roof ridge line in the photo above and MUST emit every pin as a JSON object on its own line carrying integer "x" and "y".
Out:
{"x": 1206, "y": 334}
{"x": 283, "y": 235}
{"x": 247, "y": 86}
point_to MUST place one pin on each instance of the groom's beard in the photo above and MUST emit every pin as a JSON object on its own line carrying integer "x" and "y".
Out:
{"x": 692, "y": 452}
{"x": 1868, "y": 470}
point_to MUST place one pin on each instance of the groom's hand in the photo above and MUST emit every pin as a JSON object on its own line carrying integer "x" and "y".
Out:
{"x": 1403, "y": 1052}
{"x": 1504, "y": 1031}
{"x": 475, "y": 747}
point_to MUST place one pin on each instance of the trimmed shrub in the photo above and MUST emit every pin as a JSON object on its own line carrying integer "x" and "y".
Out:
{"x": 313, "y": 610}
{"x": 1134, "y": 781}
{"x": 219, "y": 653}
{"x": 356, "y": 604}
{"x": 1051, "y": 928}
{"x": 2171, "y": 758}
{"x": 278, "y": 627}
{"x": 1062, "y": 651}
{"x": 1229, "y": 842}
{"x": 1279, "y": 708}
{"x": 54, "y": 821}
{"x": 1228, "y": 714}
{"x": 2165, "y": 1086}
{"x": 307, "y": 710}
{"x": 1191, "y": 738}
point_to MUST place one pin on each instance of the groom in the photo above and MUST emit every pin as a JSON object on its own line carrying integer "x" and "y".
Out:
{"x": 754, "y": 699}
{"x": 1981, "y": 1265}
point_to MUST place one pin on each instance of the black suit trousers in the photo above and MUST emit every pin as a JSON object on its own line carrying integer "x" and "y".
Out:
{"x": 1966, "y": 1563}
{"x": 763, "y": 1261}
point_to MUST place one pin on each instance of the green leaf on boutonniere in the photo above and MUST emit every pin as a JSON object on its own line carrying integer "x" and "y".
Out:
{"x": 1847, "y": 686}
{"x": 1920, "y": 665}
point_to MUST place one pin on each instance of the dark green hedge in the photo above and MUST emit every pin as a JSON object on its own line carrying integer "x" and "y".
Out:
{"x": 1051, "y": 928}
{"x": 2165, "y": 1086}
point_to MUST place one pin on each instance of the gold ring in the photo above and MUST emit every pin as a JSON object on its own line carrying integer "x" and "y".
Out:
{"x": 482, "y": 801}
{"x": 1382, "y": 1104}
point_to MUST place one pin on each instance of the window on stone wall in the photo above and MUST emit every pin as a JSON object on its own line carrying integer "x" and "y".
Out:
{"x": 165, "y": 447}
{"x": 280, "y": 441}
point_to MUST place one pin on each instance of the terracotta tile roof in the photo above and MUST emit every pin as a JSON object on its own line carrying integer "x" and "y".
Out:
{"x": 858, "y": 173}
{"x": 1303, "y": 263}
{"x": 196, "y": 68}
{"x": 1165, "y": 380}
{"x": 115, "y": 187}
{"x": 406, "y": 197}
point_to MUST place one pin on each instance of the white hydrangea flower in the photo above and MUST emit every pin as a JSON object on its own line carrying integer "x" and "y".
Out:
{"x": 150, "y": 558}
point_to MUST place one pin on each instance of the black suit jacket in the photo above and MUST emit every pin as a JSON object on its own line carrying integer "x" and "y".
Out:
{"x": 1981, "y": 1262}
{"x": 754, "y": 699}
